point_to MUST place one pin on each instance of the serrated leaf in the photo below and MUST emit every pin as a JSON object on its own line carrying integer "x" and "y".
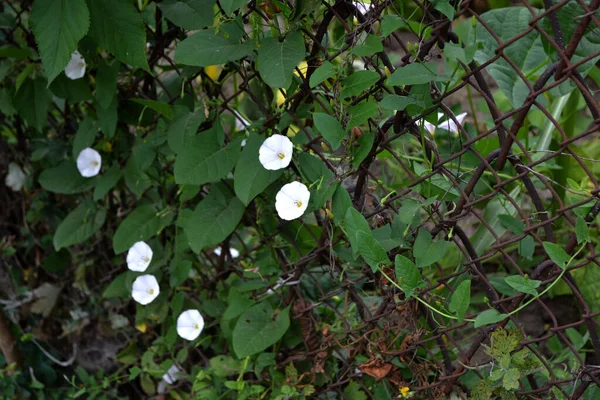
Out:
{"x": 207, "y": 48}
{"x": 427, "y": 251}
{"x": 488, "y": 317}
{"x": 188, "y": 14}
{"x": 58, "y": 25}
{"x": 321, "y": 74}
{"x": 330, "y": 128}
{"x": 371, "y": 250}
{"x": 79, "y": 225}
{"x": 557, "y": 254}
{"x": 214, "y": 218}
{"x": 202, "y": 159}
{"x": 357, "y": 82}
{"x": 85, "y": 136}
{"x": 461, "y": 299}
{"x": 65, "y": 179}
{"x": 407, "y": 275}
{"x": 523, "y": 284}
{"x": 277, "y": 60}
{"x": 415, "y": 74}
{"x": 250, "y": 177}
{"x": 106, "y": 82}
{"x": 118, "y": 27}
{"x": 107, "y": 181}
{"x": 256, "y": 329}
{"x": 510, "y": 380}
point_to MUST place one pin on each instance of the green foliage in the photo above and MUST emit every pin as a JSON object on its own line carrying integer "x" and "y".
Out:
{"x": 277, "y": 59}
{"x": 258, "y": 329}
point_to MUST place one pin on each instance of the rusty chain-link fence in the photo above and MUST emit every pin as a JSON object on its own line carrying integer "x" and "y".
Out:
{"x": 524, "y": 154}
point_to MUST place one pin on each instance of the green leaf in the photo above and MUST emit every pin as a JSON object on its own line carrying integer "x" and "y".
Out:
{"x": 250, "y": 177}
{"x": 461, "y": 299}
{"x": 406, "y": 213}
{"x": 513, "y": 224}
{"x": 371, "y": 250}
{"x": 330, "y": 128}
{"x": 277, "y": 60}
{"x": 320, "y": 180}
{"x": 523, "y": 284}
{"x": 526, "y": 247}
{"x": 488, "y": 317}
{"x": 321, "y": 74}
{"x": 141, "y": 224}
{"x": 355, "y": 222}
{"x": 107, "y": 118}
{"x": 179, "y": 272}
{"x": 188, "y": 14}
{"x": 184, "y": 127}
{"x": 395, "y": 102}
{"x": 357, "y": 83}
{"x": 408, "y": 275}
{"x": 415, "y": 74}
{"x": 106, "y": 82}
{"x": 444, "y": 7}
{"x": 158, "y": 106}
{"x": 203, "y": 160}
{"x": 207, "y": 48}
{"x": 65, "y": 179}
{"x": 33, "y": 101}
{"x": 391, "y": 23}
{"x": 360, "y": 113}
{"x": 79, "y": 225}
{"x": 582, "y": 231}
{"x": 510, "y": 380}
{"x": 527, "y": 53}
{"x": 362, "y": 150}
{"x": 74, "y": 91}
{"x": 120, "y": 286}
{"x": 340, "y": 203}
{"x": 557, "y": 254}
{"x": 257, "y": 329}
{"x": 85, "y": 136}
{"x": 230, "y": 6}
{"x": 353, "y": 392}
{"x": 426, "y": 251}
{"x": 214, "y": 218}
{"x": 58, "y": 25}
{"x": 118, "y": 27}
{"x": 107, "y": 181}
{"x": 368, "y": 46}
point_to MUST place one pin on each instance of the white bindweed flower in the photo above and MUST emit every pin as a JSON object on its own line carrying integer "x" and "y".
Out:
{"x": 233, "y": 252}
{"x": 358, "y": 65}
{"x": 75, "y": 69}
{"x": 190, "y": 324}
{"x": 291, "y": 201}
{"x": 139, "y": 257}
{"x": 145, "y": 289}
{"x": 172, "y": 374}
{"x": 89, "y": 162}
{"x": 15, "y": 179}
{"x": 448, "y": 124}
{"x": 241, "y": 123}
{"x": 362, "y": 6}
{"x": 276, "y": 152}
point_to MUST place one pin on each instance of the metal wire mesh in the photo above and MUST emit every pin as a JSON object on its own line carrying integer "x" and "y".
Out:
{"x": 372, "y": 337}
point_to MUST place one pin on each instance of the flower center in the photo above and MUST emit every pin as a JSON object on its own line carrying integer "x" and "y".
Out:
{"x": 298, "y": 204}
{"x": 146, "y": 259}
{"x": 150, "y": 291}
{"x": 281, "y": 156}
{"x": 196, "y": 326}
{"x": 95, "y": 163}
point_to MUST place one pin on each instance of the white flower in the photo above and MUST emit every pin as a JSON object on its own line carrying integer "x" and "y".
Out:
{"x": 75, "y": 69}
{"x": 15, "y": 179}
{"x": 139, "y": 257}
{"x": 244, "y": 142}
{"x": 172, "y": 374}
{"x": 358, "y": 65}
{"x": 362, "y": 6}
{"x": 145, "y": 289}
{"x": 89, "y": 162}
{"x": 276, "y": 152}
{"x": 291, "y": 200}
{"x": 241, "y": 123}
{"x": 448, "y": 124}
{"x": 234, "y": 253}
{"x": 190, "y": 324}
